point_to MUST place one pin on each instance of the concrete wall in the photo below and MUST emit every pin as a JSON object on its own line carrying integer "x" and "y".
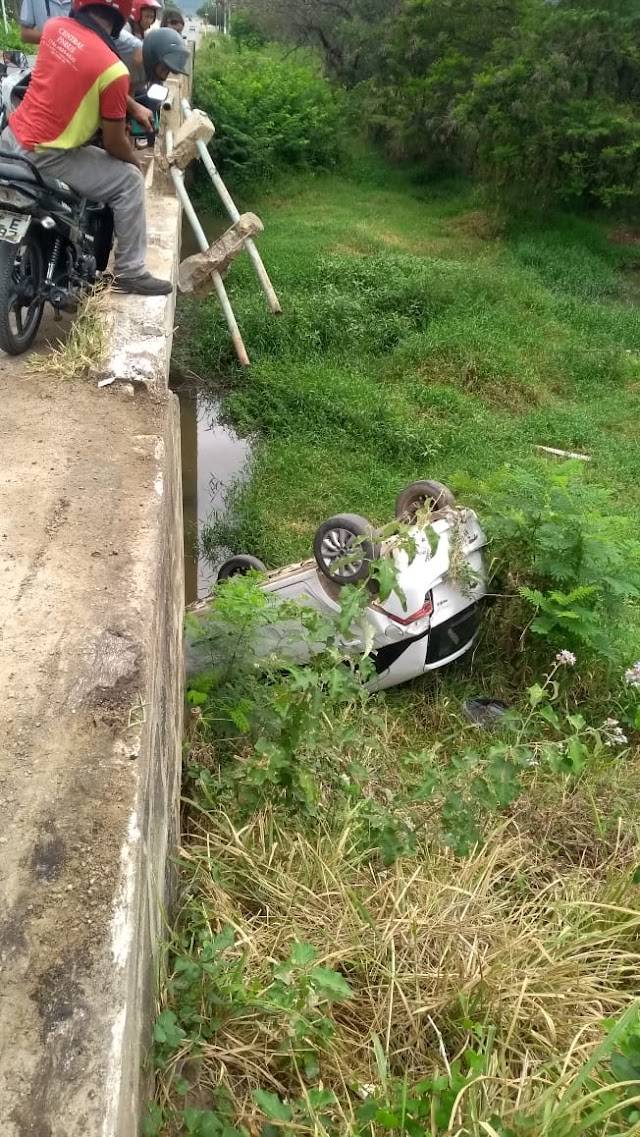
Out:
{"x": 91, "y": 610}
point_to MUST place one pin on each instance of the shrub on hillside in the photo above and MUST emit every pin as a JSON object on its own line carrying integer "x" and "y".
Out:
{"x": 539, "y": 99}
{"x": 562, "y": 117}
{"x": 270, "y": 115}
{"x": 246, "y": 32}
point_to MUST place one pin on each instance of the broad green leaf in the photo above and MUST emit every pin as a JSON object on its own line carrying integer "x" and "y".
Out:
{"x": 302, "y": 954}
{"x": 536, "y": 694}
{"x": 624, "y": 1070}
{"x": 225, "y": 939}
{"x": 272, "y": 1106}
{"x": 578, "y": 755}
{"x": 321, "y": 1099}
{"x": 153, "y": 1121}
{"x": 167, "y": 1030}
{"x": 550, "y": 715}
{"x": 331, "y": 984}
{"x": 203, "y": 1123}
{"x": 311, "y": 1067}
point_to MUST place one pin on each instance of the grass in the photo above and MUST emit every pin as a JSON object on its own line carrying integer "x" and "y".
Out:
{"x": 504, "y": 953}
{"x": 85, "y": 348}
{"x": 489, "y": 982}
{"x": 422, "y": 337}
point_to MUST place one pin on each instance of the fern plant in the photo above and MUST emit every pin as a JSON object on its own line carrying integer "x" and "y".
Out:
{"x": 560, "y": 546}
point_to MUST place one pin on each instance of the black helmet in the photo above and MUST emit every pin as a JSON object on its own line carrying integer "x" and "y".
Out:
{"x": 164, "y": 46}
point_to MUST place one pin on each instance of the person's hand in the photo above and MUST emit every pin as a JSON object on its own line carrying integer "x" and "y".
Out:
{"x": 142, "y": 115}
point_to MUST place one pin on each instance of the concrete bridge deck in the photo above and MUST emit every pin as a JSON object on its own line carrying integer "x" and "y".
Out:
{"x": 91, "y": 602}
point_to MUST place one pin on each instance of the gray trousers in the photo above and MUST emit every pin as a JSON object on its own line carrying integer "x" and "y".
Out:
{"x": 93, "y": 173}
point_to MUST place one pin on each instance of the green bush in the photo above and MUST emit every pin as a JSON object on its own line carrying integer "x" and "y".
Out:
{"x": 561, "y": 549}
{"x": 270, "y": 115}
{"x": 527, "y": 129}
{"x": 10, "y": 40}
{"x": 246, "y": 32}
{"x": 538, "y": 99}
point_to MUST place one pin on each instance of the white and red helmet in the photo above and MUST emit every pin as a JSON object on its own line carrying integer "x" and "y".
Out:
{"x": 138, "y": 7}
{"x": 120, "y": 8}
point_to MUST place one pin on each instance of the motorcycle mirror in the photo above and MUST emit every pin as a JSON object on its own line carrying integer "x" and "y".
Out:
{"x": 157, "y": 93}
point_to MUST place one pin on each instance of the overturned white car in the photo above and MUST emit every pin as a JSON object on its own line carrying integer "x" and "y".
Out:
{"x": 428, "y": 620}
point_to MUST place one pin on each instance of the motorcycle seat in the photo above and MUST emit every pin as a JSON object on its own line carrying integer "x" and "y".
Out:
{"x": 17, "y": 172}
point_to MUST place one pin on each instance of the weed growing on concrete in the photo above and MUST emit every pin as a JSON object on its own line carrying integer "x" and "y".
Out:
{"x": 85, "y": 347}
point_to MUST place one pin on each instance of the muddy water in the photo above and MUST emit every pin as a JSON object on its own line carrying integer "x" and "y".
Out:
{"x": 212, "y": 455}
{"x": 213, "y": 227}
{"x": 212, "y": 458}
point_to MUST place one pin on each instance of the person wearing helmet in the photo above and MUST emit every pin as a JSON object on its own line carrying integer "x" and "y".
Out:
{"x": 164, "y": 52}
{"x": 143, "y": 15}
{"x": 143, "y": 58}
{"x": 34, "y": 15}
{"x": 173, "y": 19}
{"x": 79, "y": 85}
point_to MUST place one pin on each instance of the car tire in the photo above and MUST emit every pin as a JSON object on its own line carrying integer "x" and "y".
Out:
{"x": 416, "y": 496}
{"x": 239, "y": 566}
{"x": 337, "y": 538}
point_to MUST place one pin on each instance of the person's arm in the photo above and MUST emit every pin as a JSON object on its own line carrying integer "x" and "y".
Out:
{"x": 142, "y": 115}
{"x": 30, "y": 35}
{"x": 117, "y": 143}
{"x": 113, "y": 115}
{"x": 29, "y": 31}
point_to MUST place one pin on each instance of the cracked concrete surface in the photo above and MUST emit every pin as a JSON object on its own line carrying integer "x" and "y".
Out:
{"x": 91, "y": 600}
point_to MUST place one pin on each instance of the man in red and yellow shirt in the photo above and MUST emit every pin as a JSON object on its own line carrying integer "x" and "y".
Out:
{"x": 80, "y": 85}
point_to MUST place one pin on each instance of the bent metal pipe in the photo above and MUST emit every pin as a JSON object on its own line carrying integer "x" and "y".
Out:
{"x": 234, "y": 331}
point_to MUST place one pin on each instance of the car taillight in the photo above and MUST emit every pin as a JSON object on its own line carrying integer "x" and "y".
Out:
{"x": 426, "y": 610}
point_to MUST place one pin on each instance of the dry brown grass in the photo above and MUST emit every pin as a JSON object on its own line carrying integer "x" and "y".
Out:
{"x": 85, "y": 347}
{"x": 537, "y": 954}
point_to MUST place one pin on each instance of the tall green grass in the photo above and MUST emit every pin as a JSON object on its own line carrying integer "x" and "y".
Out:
{"x": 419, "y": 338}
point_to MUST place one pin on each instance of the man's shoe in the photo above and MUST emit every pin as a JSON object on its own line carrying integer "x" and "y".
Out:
{"x": 143, "y": 285}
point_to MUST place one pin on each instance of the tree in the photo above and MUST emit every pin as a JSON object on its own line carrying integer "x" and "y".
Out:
{"x": 346, "y": 32}
{"x": 213, "y": 12}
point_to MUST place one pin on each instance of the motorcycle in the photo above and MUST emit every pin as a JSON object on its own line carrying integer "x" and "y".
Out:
{"x": 54, "y": 244}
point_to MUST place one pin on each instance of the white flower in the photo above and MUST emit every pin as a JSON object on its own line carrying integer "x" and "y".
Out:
{"x": 565, "y": 658}
{"x": 614, "y": 734}
{"x": 632, "y": 676}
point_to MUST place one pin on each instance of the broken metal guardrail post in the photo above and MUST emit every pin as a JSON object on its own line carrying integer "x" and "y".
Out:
{"x": 178, "y": 181}
{"x": 234, "y": 214}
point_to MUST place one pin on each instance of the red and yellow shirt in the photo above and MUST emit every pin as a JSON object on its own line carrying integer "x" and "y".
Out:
{"x": 76, "y": 82}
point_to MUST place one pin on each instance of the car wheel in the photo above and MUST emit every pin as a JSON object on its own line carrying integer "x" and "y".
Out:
{"x": 238, "y": 566}
{"x": 416, "y": 496}
{"x": 344, "y": 548}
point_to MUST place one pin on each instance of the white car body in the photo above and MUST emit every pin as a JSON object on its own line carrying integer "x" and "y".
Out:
{"x": 442, "y": 584}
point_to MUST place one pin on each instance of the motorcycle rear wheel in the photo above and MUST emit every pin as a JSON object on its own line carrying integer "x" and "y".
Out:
{"x": 21, "y": 281}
